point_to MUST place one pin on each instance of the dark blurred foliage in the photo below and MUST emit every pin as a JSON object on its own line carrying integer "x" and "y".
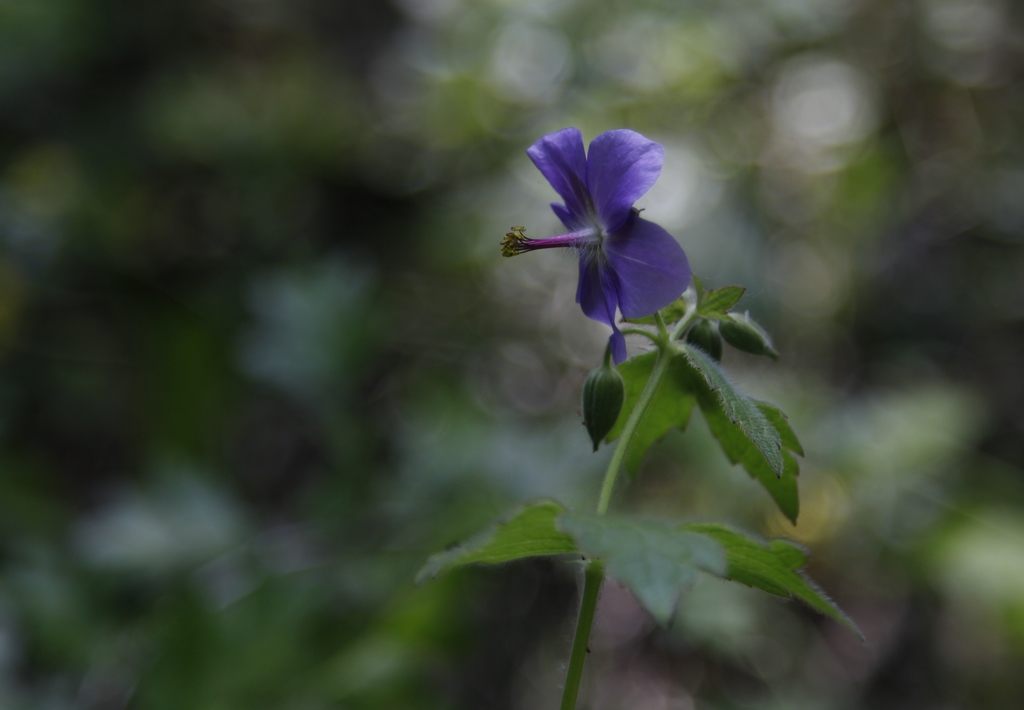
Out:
{"x": 260, "y": 355}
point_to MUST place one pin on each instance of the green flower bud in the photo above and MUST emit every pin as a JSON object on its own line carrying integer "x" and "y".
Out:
{"x": 705, "y": 336}
{"x": 603, "y": 394}
{"x": 744, "y": 334}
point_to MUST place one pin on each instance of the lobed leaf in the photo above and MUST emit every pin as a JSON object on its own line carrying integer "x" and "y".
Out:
{"x": 656, "y": 561}
{"x": 671, "y": 406}
{"x": 717, "y": 302}
{"x": 740, "y": 409}
{"x": 529, "y": 532}
{"x": 774, "y": 567}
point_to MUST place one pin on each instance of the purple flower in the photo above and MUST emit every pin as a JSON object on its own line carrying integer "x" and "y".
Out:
{"x": 625, "y": 262}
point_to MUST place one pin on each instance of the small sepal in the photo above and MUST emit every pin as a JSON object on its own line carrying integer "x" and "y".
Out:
{"x": 744, "y": 334}
{"x": 717, "y": 302}
{"x": 704, "y": 334}
{"x": 603, "y": 395}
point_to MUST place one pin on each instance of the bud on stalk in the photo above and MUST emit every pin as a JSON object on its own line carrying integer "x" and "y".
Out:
{"x": 603, "y": 395}
{"x": 744, "y": 334}
{"x": 705, "y": 336}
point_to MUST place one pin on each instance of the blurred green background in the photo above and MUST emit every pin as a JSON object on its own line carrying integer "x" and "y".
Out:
{"x": 259, "y": 354}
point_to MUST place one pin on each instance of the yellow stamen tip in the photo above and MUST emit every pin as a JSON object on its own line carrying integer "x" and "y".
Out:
{"x": 511, "y": 245}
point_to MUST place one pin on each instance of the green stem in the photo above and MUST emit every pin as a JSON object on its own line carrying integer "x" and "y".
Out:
{"x": 662, "y": 329}
{"x": 639, "y": 331}
{"x": 684, "y": 323}
{"x": 591, "y": 587}
{"x": 595, "y": 570}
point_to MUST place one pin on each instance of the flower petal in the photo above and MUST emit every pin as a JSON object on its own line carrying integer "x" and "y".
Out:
{"x": 621, "y": 167}
{"x": 596, "y": 294}
{"x": 651, "y": 268}
{"x": 564, "y": 215}
{"x": 560, "y": 158}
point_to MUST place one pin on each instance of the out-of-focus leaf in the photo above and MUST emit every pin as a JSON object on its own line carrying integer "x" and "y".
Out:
{"x": 529, "y": 532}
{"x": 717, "y": 302}
{"x": 773, "y": 567}
{"x": 670, "y": 407}
{"x": 656, "y": 561}
{"x": 740, "y": 409}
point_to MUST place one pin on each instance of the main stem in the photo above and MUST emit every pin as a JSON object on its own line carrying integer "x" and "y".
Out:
{"x": 588, "y": 605}
{"x": 595, "y": 569}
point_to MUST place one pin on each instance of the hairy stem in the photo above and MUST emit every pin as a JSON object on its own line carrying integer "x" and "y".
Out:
{"x": 684, "y": 323}
{"x": 591, "y": 587}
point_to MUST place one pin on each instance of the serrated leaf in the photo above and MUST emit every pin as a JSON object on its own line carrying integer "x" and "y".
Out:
{"x": 671, "y": 406}
{"x": 740, "y": 409}
{"x": 773, "y": 567}
{"x": 717, "y": 302}
{"x": 739, "y": 449}
{"x": 529, "y": 532}
{"x": 656, "y": 561}
{"x": 781, "y": 423}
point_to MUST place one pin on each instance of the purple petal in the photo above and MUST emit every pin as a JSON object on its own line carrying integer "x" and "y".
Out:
{"x": 617, "y": 342}
{"x": 560, "y": 158}
{"x": 651, "y": 268}
{"x": 565, "y": 215}
{"x": 596, "y": 294}
{"x": 621, "y": 167}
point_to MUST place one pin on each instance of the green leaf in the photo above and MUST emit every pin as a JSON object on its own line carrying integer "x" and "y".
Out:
{"x": 670, "y": 407}
{"x": 781, "y": 423}
{"x": 739, "y": 449}
{"x": 717, "y": 302}
{"x": 740, "y": 409}
{"x": 656, "y": 561}
{"x": 791, "y": 554}
{"x": 686, "y": 382}
{"x": 773, "y": 568}
{"x": 698, "y": 287}
{"x": 529, "y": 532}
